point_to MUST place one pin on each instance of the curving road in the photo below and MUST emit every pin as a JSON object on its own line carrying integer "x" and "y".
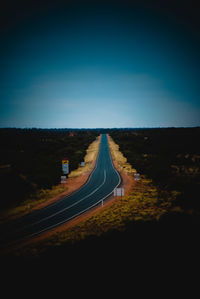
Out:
{"x": 99, "y": 186}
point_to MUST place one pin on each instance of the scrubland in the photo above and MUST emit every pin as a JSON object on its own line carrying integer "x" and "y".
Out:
{"x": 161, "y": 208}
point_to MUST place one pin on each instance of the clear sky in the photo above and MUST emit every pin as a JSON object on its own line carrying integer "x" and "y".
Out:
{"x": 89, "y": 64}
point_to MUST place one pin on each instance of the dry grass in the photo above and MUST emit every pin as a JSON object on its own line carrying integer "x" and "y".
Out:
{"x": 141, "y": 205}
{"x": 89, "y": 159}
{"x": 117, "y": 156}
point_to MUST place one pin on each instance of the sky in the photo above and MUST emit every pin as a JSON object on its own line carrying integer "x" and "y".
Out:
{"x": 99, "y": 64}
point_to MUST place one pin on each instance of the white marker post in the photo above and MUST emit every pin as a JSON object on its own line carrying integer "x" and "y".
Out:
{"x": 119, "y": 192}
{"x": 63, "y": 179}
{"x": 136, "y": 176}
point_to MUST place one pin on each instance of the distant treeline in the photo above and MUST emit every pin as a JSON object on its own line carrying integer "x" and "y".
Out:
{"x": 170, "y": 157}
{"x": 30, "y": 159}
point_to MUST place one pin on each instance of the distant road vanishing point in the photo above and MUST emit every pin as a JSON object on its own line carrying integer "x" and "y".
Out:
{"x": 100, "y": 185}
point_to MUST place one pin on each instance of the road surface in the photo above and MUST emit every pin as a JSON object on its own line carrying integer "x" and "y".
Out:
{"x": 99, "y": 186}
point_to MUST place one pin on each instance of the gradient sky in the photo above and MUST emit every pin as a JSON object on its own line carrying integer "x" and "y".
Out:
{"x": 89, "y": 64}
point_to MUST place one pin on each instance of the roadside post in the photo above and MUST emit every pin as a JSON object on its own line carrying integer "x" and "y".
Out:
{"x": 136, "y": 176}
{"x": 63, "y": 179}
{"x": 65, "y": 166}
{"x": 119, "y": 192}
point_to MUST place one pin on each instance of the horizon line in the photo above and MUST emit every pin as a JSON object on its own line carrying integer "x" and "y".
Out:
{"x": 99, "y": 128}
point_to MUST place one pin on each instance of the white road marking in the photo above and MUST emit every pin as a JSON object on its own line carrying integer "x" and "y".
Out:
{"x": 77, "y": 202}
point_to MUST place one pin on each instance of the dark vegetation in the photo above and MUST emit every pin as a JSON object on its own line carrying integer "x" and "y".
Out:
{"x": 30, "y": 159}
{"x": 170, "y": 157}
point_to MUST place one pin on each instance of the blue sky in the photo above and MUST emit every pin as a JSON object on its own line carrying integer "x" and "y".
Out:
{"x": 99, "y": 65}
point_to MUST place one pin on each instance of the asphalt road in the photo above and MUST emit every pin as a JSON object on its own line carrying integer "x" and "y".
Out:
{"x": 99, "y": 186}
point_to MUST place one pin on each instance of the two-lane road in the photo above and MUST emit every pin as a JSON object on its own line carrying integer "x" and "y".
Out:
{"x": 99, "y": 186}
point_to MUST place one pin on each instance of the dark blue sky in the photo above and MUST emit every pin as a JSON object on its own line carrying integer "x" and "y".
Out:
{"x": 99, "y": 64}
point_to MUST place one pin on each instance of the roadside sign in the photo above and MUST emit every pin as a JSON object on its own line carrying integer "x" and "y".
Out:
{"x": 119, "y": 192}
{"x": 65, "y": 165}
{"x": 65, "y": 168}
{"x": 63, "y": 179}
{"x": 65, "y": 161}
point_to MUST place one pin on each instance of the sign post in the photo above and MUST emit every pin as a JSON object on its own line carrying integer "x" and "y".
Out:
{"x": 136, "y": 176}
{"x": 63, "y": 179}
{"x": 65, "y": 165}
{"x": 119, "y": 192}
